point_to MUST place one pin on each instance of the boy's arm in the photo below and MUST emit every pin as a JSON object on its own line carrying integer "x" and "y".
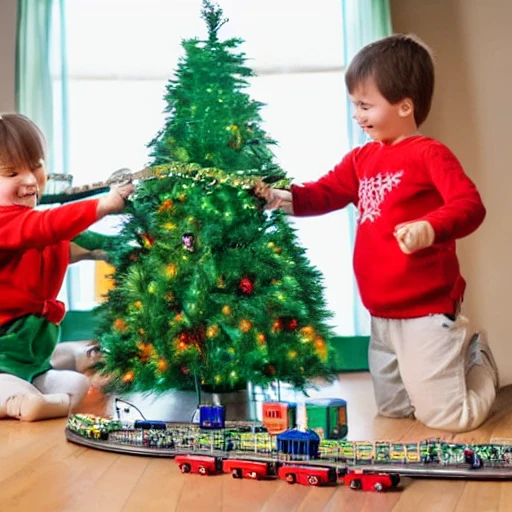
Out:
{"x": 461, "y": 213}
{"x": 463, "y": 210}
{"x": 332, "y": 192}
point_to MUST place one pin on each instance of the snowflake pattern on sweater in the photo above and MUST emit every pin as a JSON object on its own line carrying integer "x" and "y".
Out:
{"x": 372, "y": 192}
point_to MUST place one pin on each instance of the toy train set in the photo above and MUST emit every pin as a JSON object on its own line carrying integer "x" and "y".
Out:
{"x": 275, "y": 449}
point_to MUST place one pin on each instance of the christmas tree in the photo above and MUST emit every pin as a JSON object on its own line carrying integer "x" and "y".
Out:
{"x": 210, "y": 289}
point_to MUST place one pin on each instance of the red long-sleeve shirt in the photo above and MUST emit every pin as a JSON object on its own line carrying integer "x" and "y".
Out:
{"x": 416, "y": 179}
{"x": 34, "y": 255}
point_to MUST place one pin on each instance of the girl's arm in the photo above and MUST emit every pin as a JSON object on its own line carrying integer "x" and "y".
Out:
{"x": 77, "y": 253}
{"x": 25, "y": 228}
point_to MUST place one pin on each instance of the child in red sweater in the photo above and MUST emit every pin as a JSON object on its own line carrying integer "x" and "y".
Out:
{"x": 414, "y": 200}
{"x": 35, "y": 250}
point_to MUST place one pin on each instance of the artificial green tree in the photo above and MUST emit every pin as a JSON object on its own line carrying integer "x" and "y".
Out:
{"x": 209, "y": 288}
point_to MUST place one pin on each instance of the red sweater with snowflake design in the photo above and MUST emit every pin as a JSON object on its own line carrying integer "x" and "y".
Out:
{"x": 416, "y": 179}
{"x": 34, "y": 256}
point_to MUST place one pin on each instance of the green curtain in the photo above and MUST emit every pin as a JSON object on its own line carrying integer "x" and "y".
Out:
{"x": 41, "y": 40}
{"x": 34, "y": 96}
{"x": 364, "y": 21}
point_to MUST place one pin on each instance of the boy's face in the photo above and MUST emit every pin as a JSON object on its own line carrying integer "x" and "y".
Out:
{"x": 21, "y": 186}
{"x": 381, "y": 120}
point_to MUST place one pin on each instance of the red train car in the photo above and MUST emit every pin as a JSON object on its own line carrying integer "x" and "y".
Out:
{"x": 257, "y": 470}
{"x": 202, "y": 464}
{"x": 308, "y": 475}
{"x": 368, "y": 481}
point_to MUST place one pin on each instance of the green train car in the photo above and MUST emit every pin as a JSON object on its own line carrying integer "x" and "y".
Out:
{"x": 327, "y": 417}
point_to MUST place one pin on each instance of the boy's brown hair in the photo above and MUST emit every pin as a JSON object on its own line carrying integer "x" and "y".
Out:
{"x": 21, "y": 142}
{"x": 401, "y": 66}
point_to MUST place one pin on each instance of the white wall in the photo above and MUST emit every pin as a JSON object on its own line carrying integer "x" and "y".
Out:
{"x": 471, "y": 113}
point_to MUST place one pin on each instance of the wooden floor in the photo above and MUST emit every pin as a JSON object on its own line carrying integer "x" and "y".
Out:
{"x": 41, "y": 471}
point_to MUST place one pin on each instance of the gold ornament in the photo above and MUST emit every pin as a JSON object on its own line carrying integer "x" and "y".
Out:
{"x": 307, "y": 333}
{"x": 146, "y": 351}
{"x": 147, "y": 241}
{"x": 212, "y": 331}
{"x": 128, "y": 376}
{"x": 167, "y": 205}
{"x": 226, "y": 310}
{"x": 120, "y": 325}
{"x": 245, "y": 325}
{"x": 319, "y": 342}
{"x": 171, "y": 270}
{"x": 321, "y": 349}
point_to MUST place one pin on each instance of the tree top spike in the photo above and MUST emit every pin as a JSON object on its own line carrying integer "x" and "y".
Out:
{"x": 212, "y": 14}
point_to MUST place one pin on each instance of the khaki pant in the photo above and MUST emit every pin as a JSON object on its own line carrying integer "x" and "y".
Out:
{"x": 420, "y": 367}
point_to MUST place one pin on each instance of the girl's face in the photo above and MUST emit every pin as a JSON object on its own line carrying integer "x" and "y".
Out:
{"x": 382, "y": 121}
{"x": 21, "y": 186}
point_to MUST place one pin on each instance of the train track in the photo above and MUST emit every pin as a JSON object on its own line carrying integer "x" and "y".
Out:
{"x": 415, "y": 470}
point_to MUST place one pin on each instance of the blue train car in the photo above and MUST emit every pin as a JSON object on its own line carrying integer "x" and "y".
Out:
{"x": 150, "y": 424}
{"x": 295, "y": 442}
{"x": 211, "y": 416}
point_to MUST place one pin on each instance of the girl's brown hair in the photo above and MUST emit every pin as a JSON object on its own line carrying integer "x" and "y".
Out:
{"x": 21, "y": 142}
{"x": 401, "y": 67}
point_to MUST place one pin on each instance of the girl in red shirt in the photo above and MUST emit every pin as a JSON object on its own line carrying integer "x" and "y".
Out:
{"x": 35, "y": 250}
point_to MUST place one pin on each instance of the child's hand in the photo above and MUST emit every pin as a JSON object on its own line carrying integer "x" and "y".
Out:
{"x": 114, "y": 201}
{"x": 414, "y": 236}
{"x": 276, "y": 198}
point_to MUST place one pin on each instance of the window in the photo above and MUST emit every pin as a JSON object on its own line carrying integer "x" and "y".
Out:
{"x": 121, "y": 53}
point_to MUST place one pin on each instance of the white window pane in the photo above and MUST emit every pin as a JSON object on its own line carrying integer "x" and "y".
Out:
{"x": 142, "y": 37}
{"x": 111, "y": 122}
{"x": 113, "y": 116}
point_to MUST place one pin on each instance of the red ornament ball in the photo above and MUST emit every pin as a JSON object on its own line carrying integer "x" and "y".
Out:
{"x": 246, "y": 286}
